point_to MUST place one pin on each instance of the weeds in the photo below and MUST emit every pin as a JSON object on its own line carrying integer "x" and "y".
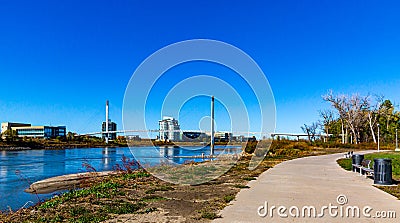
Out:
{"x": 123, "y": 208}
{"x": 209, "y": 215}
{"x": 229, "y": 198}
{"x": 128, "y": 165}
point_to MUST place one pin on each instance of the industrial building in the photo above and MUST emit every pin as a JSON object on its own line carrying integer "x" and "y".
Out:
{"x": 8, "y": 125}
{"x": 223, "y": 136}
{"x": 47, "y": 132}
{"x": 27, "y": 130}
{"x": 112, "y": 126}
{"x": 188, "y": 136}
{"x": 169, "y": 129}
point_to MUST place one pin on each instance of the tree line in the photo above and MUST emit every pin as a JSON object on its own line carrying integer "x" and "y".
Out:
{"x": 356, "y": 118}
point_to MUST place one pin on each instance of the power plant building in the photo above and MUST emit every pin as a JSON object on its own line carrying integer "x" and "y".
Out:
{"x": 169, "y": 129}
{"x": 112, "y": 126}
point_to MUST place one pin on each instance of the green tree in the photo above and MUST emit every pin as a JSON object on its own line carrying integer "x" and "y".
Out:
{"x": 70, "y": 136}
{"x": 10, "y": 135}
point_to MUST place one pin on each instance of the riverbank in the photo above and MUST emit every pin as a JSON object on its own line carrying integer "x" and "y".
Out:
{"x": 138, "y": 196}
{"x": 14, "y": 148}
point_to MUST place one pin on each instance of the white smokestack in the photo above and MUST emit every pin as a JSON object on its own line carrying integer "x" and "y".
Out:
{"x": 106, "y": 122}
{"x": 212, "y": 127}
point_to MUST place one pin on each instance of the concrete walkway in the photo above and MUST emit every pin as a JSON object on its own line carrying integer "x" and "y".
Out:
{"x": 311, "y": 181}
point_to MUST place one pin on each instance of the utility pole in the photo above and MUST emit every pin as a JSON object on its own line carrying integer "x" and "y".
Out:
{"x": 212, "y": 127}
{"x": 378, "y": 138}
{"x": 106, "y": 137}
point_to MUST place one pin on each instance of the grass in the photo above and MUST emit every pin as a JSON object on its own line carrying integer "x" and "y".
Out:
{"x": 123, "y": 207}
{"x": 229, "y": 198}
{"x": 345, "y": 164}
{"x": 241, "y": 186}
{"x": 209, "y": 215}
{"x": 101, "y": 190}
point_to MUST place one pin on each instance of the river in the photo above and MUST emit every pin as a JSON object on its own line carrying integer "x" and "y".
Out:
{"x": 20, "y": 168}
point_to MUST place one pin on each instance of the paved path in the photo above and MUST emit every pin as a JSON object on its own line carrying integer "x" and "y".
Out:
{"x": 311, "y": 181}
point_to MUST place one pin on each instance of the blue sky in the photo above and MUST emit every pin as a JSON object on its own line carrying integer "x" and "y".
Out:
{"x": 61, "y": 60}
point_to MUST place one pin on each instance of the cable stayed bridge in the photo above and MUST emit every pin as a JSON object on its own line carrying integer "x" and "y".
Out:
{"x": 210, "y": 133}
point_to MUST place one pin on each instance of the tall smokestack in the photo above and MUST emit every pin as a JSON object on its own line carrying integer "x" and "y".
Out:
{"x": 106, "y": 138}
{"x": 212, "y": 127}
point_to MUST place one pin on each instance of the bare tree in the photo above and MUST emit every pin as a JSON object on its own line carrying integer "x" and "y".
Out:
{"x": 310, "y": 130}
{"x": 338, "y": 103}
{"x": 351, "y": 109}
{"x": 328, "y": 117}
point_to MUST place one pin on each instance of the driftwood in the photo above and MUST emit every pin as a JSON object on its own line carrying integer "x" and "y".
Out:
{"x": 64, "y": 182}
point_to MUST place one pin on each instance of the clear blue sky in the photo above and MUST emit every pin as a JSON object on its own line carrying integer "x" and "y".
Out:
{"x": 60, "y": 60}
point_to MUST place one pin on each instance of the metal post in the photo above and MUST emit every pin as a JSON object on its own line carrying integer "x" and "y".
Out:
{"x": 378, "y": 139}
{"x": 106, "y": 137}
{"x": 212, "y": 127}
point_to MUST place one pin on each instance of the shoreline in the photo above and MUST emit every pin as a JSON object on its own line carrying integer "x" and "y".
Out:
{"x": 14, "y": 148}
{"x": 64, "y": 182}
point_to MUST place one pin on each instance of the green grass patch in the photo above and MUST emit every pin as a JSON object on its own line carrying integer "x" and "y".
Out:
{"x": 123, "y": 208}
{"x": 101, "y": 190}
{"x": 229, "y": 198}
{"x": 89, "y": 218}
{"x": 345, "y": 164}
{"x": 209, "y": 215}
{"x": 76, "y": 211}
{"x": 135, "y": 175}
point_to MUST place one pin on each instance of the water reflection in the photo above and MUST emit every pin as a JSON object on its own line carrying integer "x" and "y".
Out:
{"x": 19, "y": 168}
{"x": 109, "y": 156}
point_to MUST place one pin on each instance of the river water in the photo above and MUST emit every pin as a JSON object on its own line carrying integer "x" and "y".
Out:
{"x": 20, "y": 168}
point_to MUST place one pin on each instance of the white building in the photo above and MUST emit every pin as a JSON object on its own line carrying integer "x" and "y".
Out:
{"x": 169, "y": 129}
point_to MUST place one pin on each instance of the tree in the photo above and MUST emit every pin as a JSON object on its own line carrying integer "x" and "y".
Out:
{"x": 352, "y": 110}
{"x": 310, "y": 130}
{"x": 10, "y": 135}
{"x": 70, "y": 136}
{"x": 328, "y": 117}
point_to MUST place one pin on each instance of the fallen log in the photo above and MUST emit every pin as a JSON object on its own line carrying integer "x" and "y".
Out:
{"x": 64, "y": 182}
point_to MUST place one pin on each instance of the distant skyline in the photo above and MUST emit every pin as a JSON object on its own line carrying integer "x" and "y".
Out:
{"x": 61, "y": 60}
